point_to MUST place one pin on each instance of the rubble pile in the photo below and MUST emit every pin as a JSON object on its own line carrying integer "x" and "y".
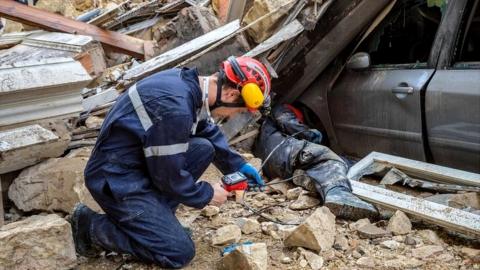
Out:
{"x": 57, "y": 88}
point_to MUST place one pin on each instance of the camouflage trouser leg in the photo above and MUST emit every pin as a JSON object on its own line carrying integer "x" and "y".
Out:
{"x": 323, "y": 169}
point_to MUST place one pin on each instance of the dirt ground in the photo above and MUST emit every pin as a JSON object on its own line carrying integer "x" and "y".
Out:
{"x": 349, "y": 256}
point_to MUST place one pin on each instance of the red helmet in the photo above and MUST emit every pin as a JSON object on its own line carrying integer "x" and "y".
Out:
{"x": 245, "y": 70}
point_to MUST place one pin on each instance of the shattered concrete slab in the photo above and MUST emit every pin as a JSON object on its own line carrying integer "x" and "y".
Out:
{"x": 25, "y": 146}
{"x": 55, "y": 184}
{"x": 41, "y": 89}
{"x": 37, "y": 243}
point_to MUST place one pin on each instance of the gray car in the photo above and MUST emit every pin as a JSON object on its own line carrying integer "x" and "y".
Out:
{"x": 411, "y": 86}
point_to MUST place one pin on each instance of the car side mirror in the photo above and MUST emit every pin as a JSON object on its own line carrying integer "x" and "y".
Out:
{"x": 359, "y": 61}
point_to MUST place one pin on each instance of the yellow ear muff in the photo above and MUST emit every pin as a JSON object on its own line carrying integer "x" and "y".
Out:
{"x": 252, "y": 95}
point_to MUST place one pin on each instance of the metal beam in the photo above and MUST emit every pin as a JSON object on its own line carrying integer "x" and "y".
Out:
{"x": 438, "y": 214}
{"x": 50, "y": 21}
{"x": 414, "y": 168}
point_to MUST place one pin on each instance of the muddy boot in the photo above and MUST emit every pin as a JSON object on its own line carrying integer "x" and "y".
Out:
{"x": 345, "y": 205}
{"x": 80, "y": 222}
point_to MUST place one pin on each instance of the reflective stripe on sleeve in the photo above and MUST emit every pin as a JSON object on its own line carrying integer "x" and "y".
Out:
{"x": 165, "y": 150}
{"x": 139, "y": 108}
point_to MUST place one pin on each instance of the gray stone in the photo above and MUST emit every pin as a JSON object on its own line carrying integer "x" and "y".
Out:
{"x": 411, "y": 241}
{"x": 402, "y": 262}
{"x": 210, "y": 211}
{"x": 426, "y": 251}
{"x": 399, "y": 224}
{"x": 247, "y": 256}
{"x": 248, "y": 225}
{"x": 366, "y": 262}
{"x": 341, "y": 242}
{"x": 55, "y": 184}
{"x": 359, "y": 223}
{"x": 430, "y": 237}
{"x": 286, "y": 260}
{"x": 371, "y": 231}
{"x": 38, "y": 242}
{"x": 315, "y": 261}
{"x": 228, "y": 234}
{"x": 390, "y": 244}
{"x": 317, "y": 232}
{"x": 304, "y": 202}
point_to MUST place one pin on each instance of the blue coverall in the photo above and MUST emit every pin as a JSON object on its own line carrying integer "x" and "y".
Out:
{"x": 148, "y": 158}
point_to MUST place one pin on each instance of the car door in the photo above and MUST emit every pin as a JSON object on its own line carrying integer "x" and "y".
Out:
{"x": 452, "y": 101}
{"x": 380, "y": 108}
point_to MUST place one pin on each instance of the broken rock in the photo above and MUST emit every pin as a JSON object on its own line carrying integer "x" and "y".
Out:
{"x": 94, "y": 122}
{"x": 55, "y": 184}
{"x": 38, "y": 242}
{"x": 317, "y": 232}
{"x": 294, "y": 193}
{"x": 367, "y": 262}
{"x": 304, "y": 202}
{"x": 359, "y": 223}
{"x": 315, "y": 261}
{"x": 248, "y": 225}
{"x": 341, "y": 242}
{"x": 246, "y": 256}
{"x": 403, "y": 262}
{"x": 470, "y": 253}
{"x": 430, "y": 237}
{"x": 229, "y": 234}
{"x": 371, "y": 231}
{"x": 390, "y": 244}
{"x": 426, "y": 251}
{"x": 399, "y": 224}
{"x": 210, "y": 211}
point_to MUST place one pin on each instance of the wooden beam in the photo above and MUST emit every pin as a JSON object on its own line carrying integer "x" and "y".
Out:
{"x": 54, "y": 22}
{"x": 438, "y": 214}
{"x": 418, "y": 169}
{"x": 175, "y": 55}
{"x": 325, "y": 51}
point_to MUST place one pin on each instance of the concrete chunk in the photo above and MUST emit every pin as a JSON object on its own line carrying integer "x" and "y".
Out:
{"x": 25, "y": 146}
{"x": 399, "y": 224}
{"x": 55, "y": 184}
{"x": 38, "y": 242}
{"x": 247, "y": 256}
{"x": 229, "y": 234}
{"x": 317, "y": 232}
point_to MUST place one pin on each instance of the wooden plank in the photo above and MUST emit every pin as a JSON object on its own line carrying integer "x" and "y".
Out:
{"x": 172, "y": 56}
{"x": 288, "y": 32}
{"x": 438, "y": 214}
{"x": 414, "y": 168}
{"x": 55, "y": 22}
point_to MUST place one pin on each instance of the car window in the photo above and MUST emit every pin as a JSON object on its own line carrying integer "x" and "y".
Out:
{"x": 405, "y": 36}
{"x": 468, "y": 48}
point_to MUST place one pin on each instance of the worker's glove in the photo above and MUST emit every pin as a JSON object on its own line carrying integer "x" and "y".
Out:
{"x": 255, "y": 181}
{"x": 316, "y": 136}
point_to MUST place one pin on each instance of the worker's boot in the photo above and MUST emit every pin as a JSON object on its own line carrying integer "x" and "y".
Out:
{"x": 80, "y": 221}
{"x": 345, "y": 205}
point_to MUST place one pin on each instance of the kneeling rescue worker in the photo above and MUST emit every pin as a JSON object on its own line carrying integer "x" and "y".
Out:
{"x": 153, "y": 146}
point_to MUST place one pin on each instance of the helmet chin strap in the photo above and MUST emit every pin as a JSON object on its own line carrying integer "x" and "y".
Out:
{"x": 218, "y": 100}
